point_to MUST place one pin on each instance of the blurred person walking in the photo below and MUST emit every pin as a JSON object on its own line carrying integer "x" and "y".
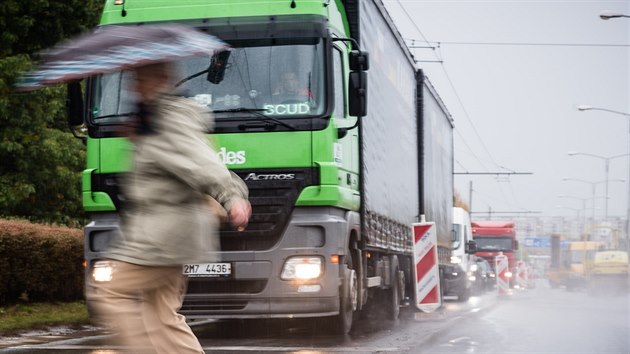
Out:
{"x": 168, "y": 220}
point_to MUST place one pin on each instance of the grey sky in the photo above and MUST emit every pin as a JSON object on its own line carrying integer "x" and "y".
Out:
{"x": 522, "y": 99}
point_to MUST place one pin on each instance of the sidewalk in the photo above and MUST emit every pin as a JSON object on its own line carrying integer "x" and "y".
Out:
{"x": 53, "y": 333}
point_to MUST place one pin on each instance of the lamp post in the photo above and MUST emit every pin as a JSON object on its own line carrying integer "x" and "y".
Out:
{"x": 607, "y": 15}
{"x": 593, "y": 184}
{"x": 606, "y": 160}
{"x": 577, "y": 215}
{"x": 583, "y": 205}
{"x": 627, "y": 117}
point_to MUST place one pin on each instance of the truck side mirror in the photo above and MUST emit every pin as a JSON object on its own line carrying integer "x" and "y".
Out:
{"x": 359, "y": 61}
{"x": 74, "y": 104}
{"x": 471, "y": 247}
{"x": 218, "y": 63}
{"x": 357, "y": 90}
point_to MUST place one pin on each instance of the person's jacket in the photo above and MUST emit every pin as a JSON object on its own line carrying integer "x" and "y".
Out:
{"x": 169, "y": 220}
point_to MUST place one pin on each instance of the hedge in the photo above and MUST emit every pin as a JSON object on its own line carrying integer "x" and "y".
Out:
{"x": 40, "y": 262}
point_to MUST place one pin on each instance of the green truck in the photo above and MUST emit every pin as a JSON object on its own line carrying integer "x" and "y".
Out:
{"x": 337, "y": 175}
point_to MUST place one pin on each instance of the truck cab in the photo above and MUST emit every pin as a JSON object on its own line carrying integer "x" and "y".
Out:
{"x": 494, "y": 238}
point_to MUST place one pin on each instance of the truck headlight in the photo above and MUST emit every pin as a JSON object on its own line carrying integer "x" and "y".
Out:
{"x": 302, "y": 268}
{"x": 508, "y": 274}
{"x": 456, "y": 259}
{"x": 102, "y": 271}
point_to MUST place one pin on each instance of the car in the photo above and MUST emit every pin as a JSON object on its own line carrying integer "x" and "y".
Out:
{"x": 483, "y": 274}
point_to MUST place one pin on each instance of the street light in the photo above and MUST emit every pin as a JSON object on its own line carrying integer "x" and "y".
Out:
{"x": 593, "y": 184}
{"x": 627, "y": 116}
{"x": 606, "y": 169}
{"x": 577, "y": 211}
{"x": 607, "y": 15}
{"x": 583, "y": 204}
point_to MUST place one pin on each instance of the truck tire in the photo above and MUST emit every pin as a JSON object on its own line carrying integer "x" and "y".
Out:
{"x": 393, "y": 294}
{"x": 348, "y": 299}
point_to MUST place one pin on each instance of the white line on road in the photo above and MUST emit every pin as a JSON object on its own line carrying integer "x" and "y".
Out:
{"x": 234, "y": 348}
{"x": 457, "y": 340}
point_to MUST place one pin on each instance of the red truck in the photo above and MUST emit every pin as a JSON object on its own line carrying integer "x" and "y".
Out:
{"x": 493, "y": 237}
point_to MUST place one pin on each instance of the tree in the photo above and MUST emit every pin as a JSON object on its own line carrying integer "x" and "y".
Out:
{"x": 458, "y": 201}
{"x": 41, "y": 162}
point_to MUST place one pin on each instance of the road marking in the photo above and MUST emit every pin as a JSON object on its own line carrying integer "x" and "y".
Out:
{"x": 457, "y": 340}
{"x": 106, "y": 348}
{"x": 309, "y": 349}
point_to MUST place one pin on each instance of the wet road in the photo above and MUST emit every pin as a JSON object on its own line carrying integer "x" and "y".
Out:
{"x": 540, "y": 320}
{"x": 544, "y": 320}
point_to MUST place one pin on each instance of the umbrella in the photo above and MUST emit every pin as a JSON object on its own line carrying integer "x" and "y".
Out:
{"x": 114, "y": 48}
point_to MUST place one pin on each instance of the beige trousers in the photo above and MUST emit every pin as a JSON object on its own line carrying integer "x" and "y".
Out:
{"x": 140, "y": 305}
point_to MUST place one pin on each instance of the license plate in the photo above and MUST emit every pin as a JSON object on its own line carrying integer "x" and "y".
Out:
{"x": 212, "y": 270}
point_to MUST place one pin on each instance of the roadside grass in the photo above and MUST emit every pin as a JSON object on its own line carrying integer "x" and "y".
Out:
{"x": 27, "y": 316}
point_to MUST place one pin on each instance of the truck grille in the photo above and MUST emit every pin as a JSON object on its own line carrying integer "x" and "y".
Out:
{"x": 273, "y": 194}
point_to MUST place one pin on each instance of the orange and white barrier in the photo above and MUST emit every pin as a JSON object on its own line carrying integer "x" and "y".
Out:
{"x": 425, "y": 257}
{"x": 522, "y": 277}
{"x": 503, "y": 274}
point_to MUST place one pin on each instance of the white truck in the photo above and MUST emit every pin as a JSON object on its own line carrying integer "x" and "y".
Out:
{"x": 461, "y": 282}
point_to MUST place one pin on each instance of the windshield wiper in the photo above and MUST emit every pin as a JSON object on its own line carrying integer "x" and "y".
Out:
{"x": 256, "y": 111}
{"x": 115, "y": 115}
{"x": 187, "y": 78}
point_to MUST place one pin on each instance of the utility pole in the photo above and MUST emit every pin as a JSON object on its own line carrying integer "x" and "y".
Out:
{"x": 470, "y": 188}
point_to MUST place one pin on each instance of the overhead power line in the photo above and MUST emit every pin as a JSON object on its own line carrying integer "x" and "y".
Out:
{"x": 466, "y": 115}
{"x": 533, "y": 44}
{"x": 506, "y": 212}
{"x": 469, "y": 148}
{"x": 493, "y": 173}
{"x": 448, "y": 78}
{"x": 461, "y": 103}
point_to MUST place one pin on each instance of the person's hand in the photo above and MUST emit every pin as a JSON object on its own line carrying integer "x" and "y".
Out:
{"x": 239, "y": 213}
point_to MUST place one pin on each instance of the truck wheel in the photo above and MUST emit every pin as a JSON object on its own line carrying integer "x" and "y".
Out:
{"x": 348, "y": 299}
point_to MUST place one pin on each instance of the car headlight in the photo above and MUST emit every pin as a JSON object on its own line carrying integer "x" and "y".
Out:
{"x": 302, "y": 268}
{"x": 102, "y": 271}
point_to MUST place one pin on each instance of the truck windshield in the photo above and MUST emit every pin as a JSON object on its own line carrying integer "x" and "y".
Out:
{"x": 457, "y": 235}
{"x": 493, "y": 243}
{"x": 579, "y": 256}
{"x": 281, "y": 79}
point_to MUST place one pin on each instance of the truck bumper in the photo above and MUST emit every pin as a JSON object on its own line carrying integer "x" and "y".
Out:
{"x": 255, "y": 289}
